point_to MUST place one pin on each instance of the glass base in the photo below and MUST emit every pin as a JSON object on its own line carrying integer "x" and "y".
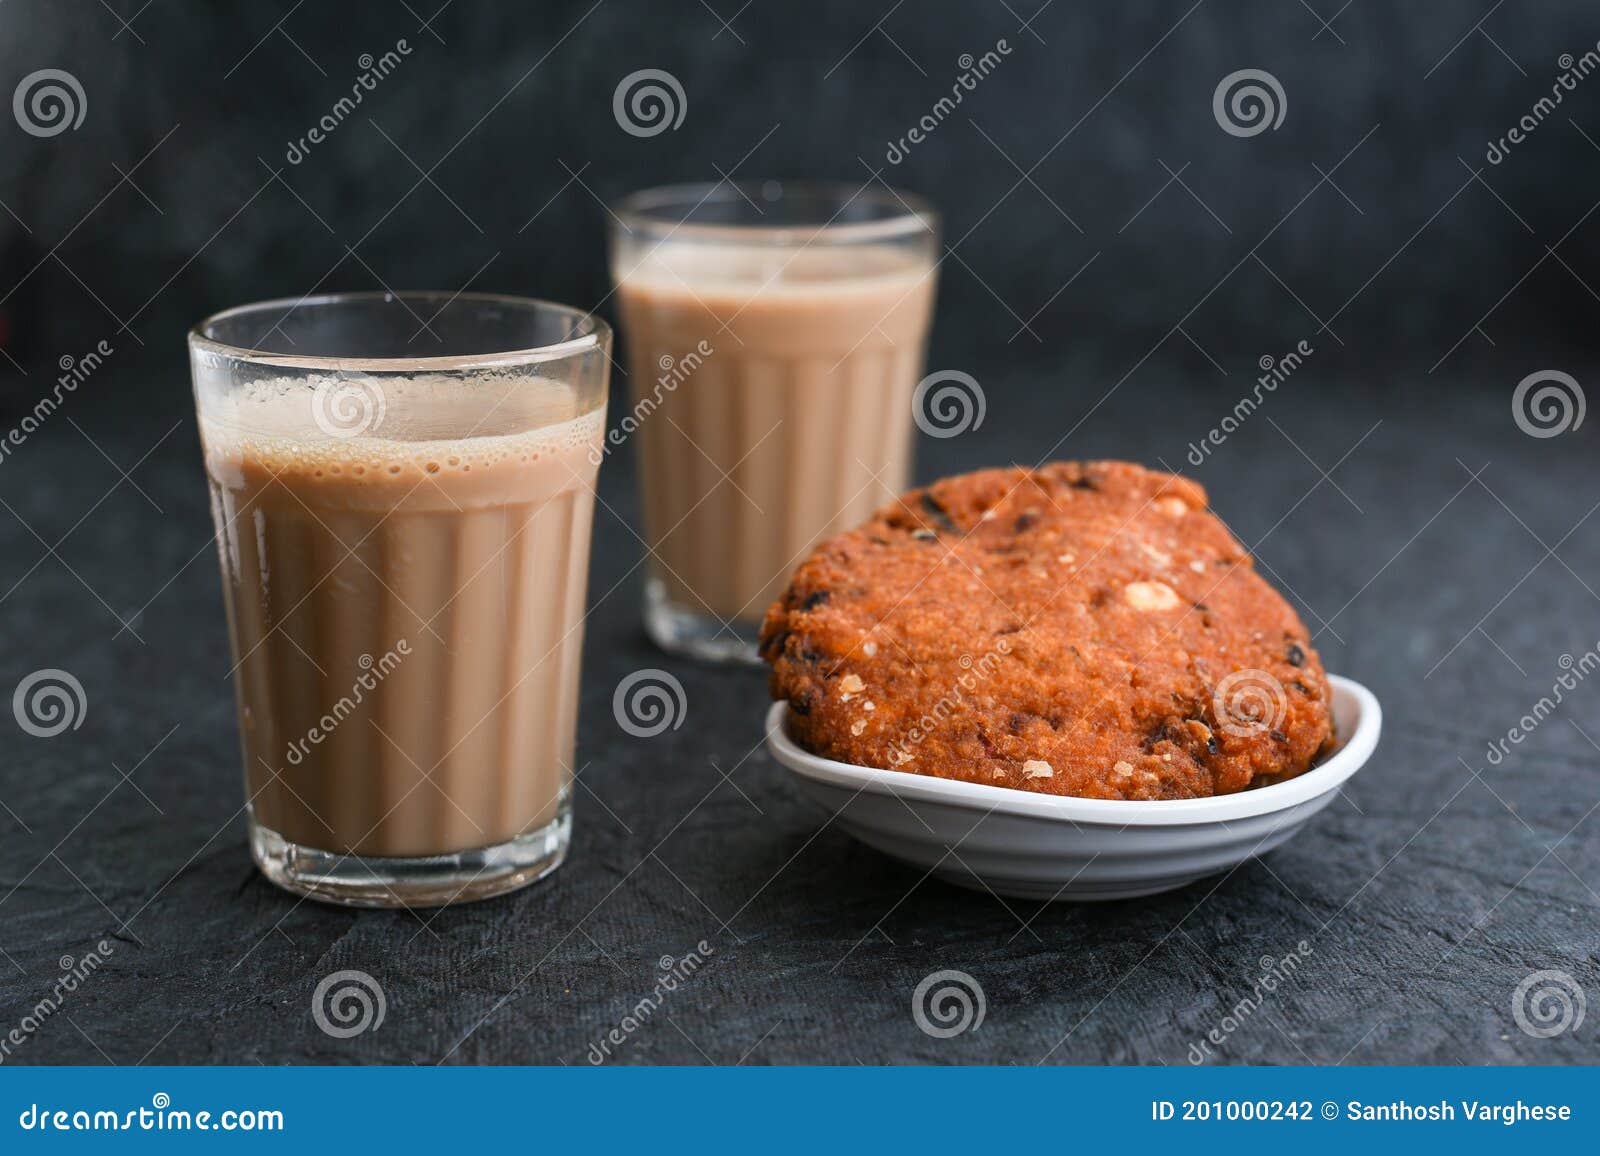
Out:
{"x": 677, "y": 629}
{"x": 425, "y": 881}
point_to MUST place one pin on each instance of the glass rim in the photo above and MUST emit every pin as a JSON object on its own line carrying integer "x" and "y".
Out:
{"x": 913, "y": 214}
{"x": 595, "y": 336}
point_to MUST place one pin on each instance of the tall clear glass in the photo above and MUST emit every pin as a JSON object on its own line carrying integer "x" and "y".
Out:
{"x": 775, "y": 336}
{"x": 403, "y": 489}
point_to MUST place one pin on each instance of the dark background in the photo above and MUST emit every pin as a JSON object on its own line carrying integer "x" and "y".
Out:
{"x": 518, "y": 97}
{"x": 1439, "y": 554}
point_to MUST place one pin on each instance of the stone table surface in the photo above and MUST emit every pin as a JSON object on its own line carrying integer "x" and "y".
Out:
{"x": 1441, "y": 556}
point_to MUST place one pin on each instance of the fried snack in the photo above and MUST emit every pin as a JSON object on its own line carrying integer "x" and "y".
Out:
{"x": 1085, "y": 629}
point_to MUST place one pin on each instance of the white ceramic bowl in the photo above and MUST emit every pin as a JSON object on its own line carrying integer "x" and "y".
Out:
{"x": 1031, "y": 846}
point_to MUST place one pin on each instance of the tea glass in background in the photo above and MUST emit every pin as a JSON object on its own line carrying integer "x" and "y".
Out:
{"x": 402, "y": 486}
{"x": 775, "y": 335}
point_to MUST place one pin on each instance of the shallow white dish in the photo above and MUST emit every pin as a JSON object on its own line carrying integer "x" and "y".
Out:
{"x": 1031, "y": 846}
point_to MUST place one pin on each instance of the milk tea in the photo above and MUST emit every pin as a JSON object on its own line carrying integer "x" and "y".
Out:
{"x": 790, "y": 423}
{"x": 406, "y": 608}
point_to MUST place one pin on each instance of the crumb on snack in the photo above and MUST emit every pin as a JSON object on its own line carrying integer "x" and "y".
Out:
{"x": 1150, "y": 596}
{"x": 1083, "y": 629}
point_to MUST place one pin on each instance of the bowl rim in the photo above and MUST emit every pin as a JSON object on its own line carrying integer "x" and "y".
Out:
{"x": 1355, "y": 707}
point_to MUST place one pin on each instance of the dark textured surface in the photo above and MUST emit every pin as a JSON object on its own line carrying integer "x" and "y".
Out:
{"x": 1425, "y": 894}
{"x": 1448, "y": 561}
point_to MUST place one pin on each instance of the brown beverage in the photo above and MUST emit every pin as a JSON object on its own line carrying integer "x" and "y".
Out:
{"x": 791, "y": 422}
{"x": 406, "y": 608}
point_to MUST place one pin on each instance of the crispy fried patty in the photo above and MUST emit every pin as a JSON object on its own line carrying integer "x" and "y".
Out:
{"x": 1083, "y": 629}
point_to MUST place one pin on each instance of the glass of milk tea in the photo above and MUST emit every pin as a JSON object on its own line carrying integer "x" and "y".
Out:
{"x": 403, "y": 489}
{"x": 775, "y": 335}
